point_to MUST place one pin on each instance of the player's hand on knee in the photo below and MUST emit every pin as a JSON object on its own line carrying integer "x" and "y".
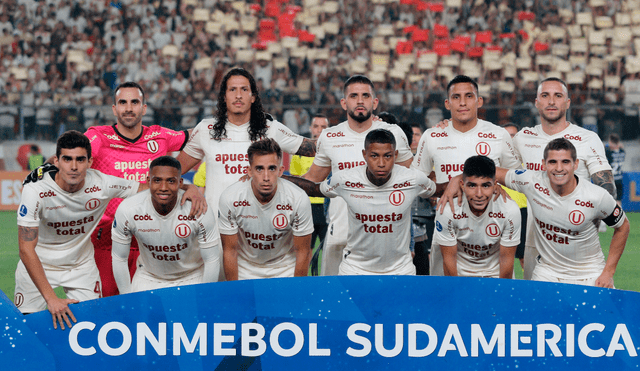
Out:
{"x": 60, "y": 312}
{"x": 443, "y": 124}
{"x": 198, "y": 201}
{"x": 605, "y": 280}
{"x": 39, "y": 172}
{"x": 499, "y": 191}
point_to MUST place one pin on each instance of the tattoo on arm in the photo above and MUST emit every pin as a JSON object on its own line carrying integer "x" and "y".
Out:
{"x": 604, "y": 179}
{"x": 27, "y": 233}
{"x": 312, "y": 189}
{"x": 307, "y": 148}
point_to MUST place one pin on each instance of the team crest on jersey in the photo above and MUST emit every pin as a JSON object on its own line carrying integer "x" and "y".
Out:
{"x": 576, "y": 217}
{"x": 153, "y": 146}
{"x": 280, "y": 221}
{"x": 396, "y": 198}
{"x": 438, "y": 226}
{"x": 518, "y": 172}
{"x": 183, "y": 230}
{"x": 492, "y": 230}
{"x": 92, "y": 204}
{"x": 483, "y": 149}
{"x": 19, "y": 299}
{"x": 23, "y": 210}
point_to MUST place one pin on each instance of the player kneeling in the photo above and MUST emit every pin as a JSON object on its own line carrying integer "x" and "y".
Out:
{"x": 265, "y": 223}
{"x": 175, "y": 249}
{"x": 479, "y": 238}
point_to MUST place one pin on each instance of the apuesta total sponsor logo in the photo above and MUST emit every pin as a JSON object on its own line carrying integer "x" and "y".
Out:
{"x": 361, "y": 340}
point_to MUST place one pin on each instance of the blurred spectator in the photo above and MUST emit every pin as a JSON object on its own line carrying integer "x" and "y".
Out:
{"x": 298, "y": 120}
{"x": 35, "y": 157}
{"x": 8, "y": 116}
{"x": 616, "y": 156}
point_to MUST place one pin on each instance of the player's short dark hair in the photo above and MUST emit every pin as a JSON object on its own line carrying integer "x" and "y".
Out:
{"x": 73, "y": 139}
{"x": 128, "y": 84}
{"x": 479, "y": 166}
{"x": 382, "y": 136}
{"x": 614, "y": 138}
{"x": 388, "y": 117}
{"x": 264, "y": 147}
{"x": 166, "y": 161}
{"x": 556, "y": 79}
{"x": 357, "y": 79}
{"x": 560, "y": 144}
{"x": 511, "y": 124}
{"x": 462, "y": 79}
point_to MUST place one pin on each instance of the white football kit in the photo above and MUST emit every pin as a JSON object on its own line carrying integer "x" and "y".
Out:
{"x": 379, "y": 219}
{"x": 564, "y": 232}
{"x": 530, "y": 144}
{"x": 65, "y": 222}
{"x": 265, "y": 232}
{"x": 170, "y": 245}
{"x": 445, "y": 150}
{"x": 227, "y": 160}
{"x": 340, "y": 148}
{"x": 479, "y": 238}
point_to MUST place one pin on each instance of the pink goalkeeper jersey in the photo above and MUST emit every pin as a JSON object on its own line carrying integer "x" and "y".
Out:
{"x": 113, "y": 154}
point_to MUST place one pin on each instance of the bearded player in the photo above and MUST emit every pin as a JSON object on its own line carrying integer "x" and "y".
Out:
{"x": 177, "y": 249}
{"x": 265, "y": 223}
{"x": 340, "y": 147}
{"x": 479, "y": 238}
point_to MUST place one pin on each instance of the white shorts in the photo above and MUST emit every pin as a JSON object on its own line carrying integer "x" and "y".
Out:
{"x": 249, "y": 271}
{"x": 80, "y": 283}
{"x": 436, "y": 262}
{"x": 543, "y": 272}
{"x": 145, "y": 281}
{"x": 349, "y": 270}
{"x": 336, "y": 239}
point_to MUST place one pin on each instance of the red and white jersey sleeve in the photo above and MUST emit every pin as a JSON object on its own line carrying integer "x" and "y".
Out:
{"x": 445, "y": 150}
{"x": 170, "y": 244}
{"x": 379, "y": 217}
{"x": 340, "y": 148}
{"x": 65, "y": 220}
{"x": 265, "y": 232}
{"x": 564, "y": 232}
{"x": 115, "y": 155}
{"x": 478, "y": 238}
{"x": 530, "y": 144}
{"x": 227, "y": 160}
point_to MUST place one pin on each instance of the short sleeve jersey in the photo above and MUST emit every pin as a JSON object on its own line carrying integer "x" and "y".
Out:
{"x": 379, "y": 216}
{"x": 478, "y": 238}
{"x": 445, "y": 150}
{"x": 265, "y": 232}
{"x": 530, "y": 144}
{"x": 116, "y": 155}
{"x": 227, "y": 159}
{"x": 169, "y": 244}
{"x": 66, "y": 220}
{"x": 564, "y": 232}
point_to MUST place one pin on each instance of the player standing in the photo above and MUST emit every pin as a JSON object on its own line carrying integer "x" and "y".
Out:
{"x": 379, "y": 197}
{"x": 340, "y": 147}
{"x": 177, "y": 249}
{"x": 552, "y": 102}
{"x": 563, "y": 210}
{"x": 265, "y": 223}
{"x": 55, "y": 222}
{"x": 480, "y": 237}
{"x": 444, "y": 150}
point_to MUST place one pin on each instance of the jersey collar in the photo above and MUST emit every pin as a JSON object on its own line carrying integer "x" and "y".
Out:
{"x": 115, "y": 128}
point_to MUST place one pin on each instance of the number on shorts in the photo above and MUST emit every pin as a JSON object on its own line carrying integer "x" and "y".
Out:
{"x": 97, "y": 289}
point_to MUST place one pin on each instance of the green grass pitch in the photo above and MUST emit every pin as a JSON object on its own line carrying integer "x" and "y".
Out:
{"x": 626, "y": 277}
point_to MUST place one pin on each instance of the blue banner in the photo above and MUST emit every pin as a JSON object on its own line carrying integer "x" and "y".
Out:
{"x": 631, "y": 194}
{"x": 342, "y": 323}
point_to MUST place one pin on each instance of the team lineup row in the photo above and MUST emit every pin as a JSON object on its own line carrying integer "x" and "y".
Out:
{"x": 264, "y": 225}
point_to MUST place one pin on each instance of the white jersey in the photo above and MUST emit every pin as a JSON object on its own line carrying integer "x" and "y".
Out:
{"x": 445, "y": 150}
{"x": 227, "y": 159}
{"x": 169, "y": 244}
{"x": 530, "y": 144}
{"x": 66, "y": 220}
{"x": 564, "y": 232}
{"x": 340, "y": 148}
{"x": 265, "y": 232}
{"x": 478, "y": 238}
{"x": 379, "y": 217}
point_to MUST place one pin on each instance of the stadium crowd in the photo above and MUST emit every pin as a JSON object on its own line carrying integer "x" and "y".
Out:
{"x": 62, "y": 58}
